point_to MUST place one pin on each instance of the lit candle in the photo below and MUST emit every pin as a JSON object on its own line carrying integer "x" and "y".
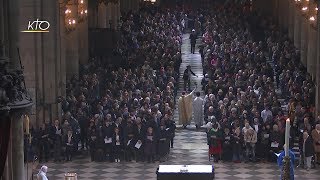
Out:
{"x": 286, "y": 148}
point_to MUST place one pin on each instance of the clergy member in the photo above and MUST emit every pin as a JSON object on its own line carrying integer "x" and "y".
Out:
{"x": 185, "y": 108}
{"x": 198, "y": 110}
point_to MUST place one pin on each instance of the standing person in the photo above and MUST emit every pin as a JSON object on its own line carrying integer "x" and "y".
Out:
{"x": 316, "y": 143}
{"x": 250, "y": 138}
{"x": 117, "y": 143}
{"x": 187, "y": 77}
{"x": 57, "y": 140}
{"x": 150, "y": 145}
{"x": 226, "y": 145}
{"x": 307, "y": 149}
{"x": 70, "y": 143}
{"x": 215, "y": 141}
{"x": 198, "y": 110}
{"x": 280, "y": 162}
{"x": 43, "y": 136}
{"x": 236, "y": 141}
{"x": 92, "y": 141}
{"x": 193, "y": 40}
{"x": 42, "y": 175}
{"x": 185, "y": 108}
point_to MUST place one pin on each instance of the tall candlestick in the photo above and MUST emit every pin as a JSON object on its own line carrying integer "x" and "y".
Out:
{"x": 286, "y": 148}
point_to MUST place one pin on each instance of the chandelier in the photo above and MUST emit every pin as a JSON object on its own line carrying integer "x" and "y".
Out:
{"x": 82, "y": 10}
{"x": 313, "y": 13}
{"x": 75, "y": 12}
{"x": 70, "y": 19}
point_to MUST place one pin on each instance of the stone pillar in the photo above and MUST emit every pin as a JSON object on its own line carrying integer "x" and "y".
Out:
{"x": 14, "y": 31}
{"x": 312, "y": 52}
{"x": 61, "y": 62}
{"x": 118, "y": 14}
{"x": 304, "y": 40}
{"x": 7, "y": 172}
{"x": 102, "y": 16}
{"x": 297, "y": 29}
{"x": 72, "y": 53}
{"x": 280, "y": 13}
{"x": 17, "y": 139}
{"x": 72, "y": 47}
{"x": 93, "y": 14}
{"x": 291, "y": 19}
{"x": 109, "y": 15}
{"x": 1, "y": 25}
{"x": 115, "y": 15}
{"x": 286, "y": 14}
{"x": 51, "y": 58}
{"x": 83, "y": 42}
{"x": 318, "y": 67}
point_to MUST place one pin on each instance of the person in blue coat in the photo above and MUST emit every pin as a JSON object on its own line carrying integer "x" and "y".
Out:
{"x": 280, "y": 162}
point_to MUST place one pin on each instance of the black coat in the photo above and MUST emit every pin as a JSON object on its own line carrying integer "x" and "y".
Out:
{"x": 193, "y": 38}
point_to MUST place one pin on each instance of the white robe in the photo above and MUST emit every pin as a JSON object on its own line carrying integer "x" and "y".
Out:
{"x": 185, "y": 109}
{"x": 198, "y": 111}
{"x": 42, "y": 176}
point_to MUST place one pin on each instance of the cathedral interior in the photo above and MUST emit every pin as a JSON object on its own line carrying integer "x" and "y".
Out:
{"x": 77, "y": 72}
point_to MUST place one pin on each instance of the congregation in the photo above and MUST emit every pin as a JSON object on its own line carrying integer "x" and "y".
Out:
{"x": 253, "y": 82}
{"x": 122, "y": 112}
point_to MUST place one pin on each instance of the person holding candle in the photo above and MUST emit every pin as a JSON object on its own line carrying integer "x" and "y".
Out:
{"x": 280, "y": 161}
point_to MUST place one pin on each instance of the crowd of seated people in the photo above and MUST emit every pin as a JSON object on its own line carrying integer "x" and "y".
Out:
{"x": 123, "y": 113}
{"x": 247, "y": 73}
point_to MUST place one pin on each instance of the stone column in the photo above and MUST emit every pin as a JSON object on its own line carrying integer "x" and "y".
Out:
{"x": 318, "y": 66}
{"x": 14, "y": 31}
{"x": 93, "y": 14}
{"x": 291, "y": 19}
{"x": 72, "y": 47}
{"x": 102, "y": 16}
{"x": 1, "y": 25}
{"x": 72, "y": 53}
{"x": 109, "y": 15}
{"x": 17, "y": 139}
{"x": 297, "y": 29}
{"x": 83, "y": 42}
{"x": 115, "y": 14}
{"x": 312, "y": 52}
{"x": 304, "y": 40}
{"x": 61, "y": 64}
{"x": 123, "y": 4}
{"x": 50, "y": 58}
{"x": 286, "y": 14}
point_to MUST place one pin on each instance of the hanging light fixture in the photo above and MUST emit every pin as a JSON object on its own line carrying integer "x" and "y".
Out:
{"x": 313, "y": 13}
{"x": 305, "y": 7}
{"x": 70, "y": 19}
{"x": 82, "y": 10}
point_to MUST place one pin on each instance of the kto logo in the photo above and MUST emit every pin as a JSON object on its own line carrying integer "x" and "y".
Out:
{"x": 38, "y": 26}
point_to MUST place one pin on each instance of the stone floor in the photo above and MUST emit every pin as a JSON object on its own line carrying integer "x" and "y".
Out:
{"x": 190, "y": 148}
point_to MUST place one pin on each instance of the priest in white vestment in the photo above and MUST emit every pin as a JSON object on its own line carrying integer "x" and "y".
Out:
{"x": 198, "y": 110}
{"x": 185, "y": 108}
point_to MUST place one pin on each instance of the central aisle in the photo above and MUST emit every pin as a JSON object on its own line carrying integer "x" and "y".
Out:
{"x": 194, "y": 60}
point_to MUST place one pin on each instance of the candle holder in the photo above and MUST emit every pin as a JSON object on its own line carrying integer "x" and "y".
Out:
{"x": 286, "y": 168}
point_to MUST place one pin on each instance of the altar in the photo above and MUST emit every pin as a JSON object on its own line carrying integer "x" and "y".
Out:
{"x": 185, "y": 172}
